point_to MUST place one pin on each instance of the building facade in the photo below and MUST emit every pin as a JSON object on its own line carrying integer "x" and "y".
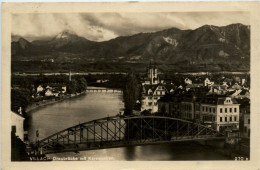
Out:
{"x": 218, "y": 112}
{"x": 153, "y": 90}
{"x": 17, "y": 125}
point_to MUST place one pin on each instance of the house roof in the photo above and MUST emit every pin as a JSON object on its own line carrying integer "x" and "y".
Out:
{"x": 216, "y": 100}
{"x": 146, "y": 87}
{"x": 18, "y": 114}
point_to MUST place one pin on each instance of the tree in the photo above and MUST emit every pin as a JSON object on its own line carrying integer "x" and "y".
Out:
{"x": 20, "y": 98}
{"x": 81, "y": 85}
{"x": 72, "y": 86}
{"x": 130, "y": 93}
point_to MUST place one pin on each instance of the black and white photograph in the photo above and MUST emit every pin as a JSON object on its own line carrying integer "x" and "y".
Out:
{"x": 130, "y": 86}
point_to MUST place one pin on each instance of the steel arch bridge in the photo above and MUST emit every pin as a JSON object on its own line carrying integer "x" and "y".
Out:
{"x": 121, "y": 131}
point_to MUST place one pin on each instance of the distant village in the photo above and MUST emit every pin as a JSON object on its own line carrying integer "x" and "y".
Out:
{"x": 220, "y": 105}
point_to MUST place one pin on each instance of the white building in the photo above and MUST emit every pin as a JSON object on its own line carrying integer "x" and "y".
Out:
{"x": 207, "y": 82}
{"x": 152, "y": 90}
{"x": 48, "y": 92}
{"x": 187, "y": 81}
{"x": 17, "y": 124}
{"x": 63, "y": 89}
{"x": 150, "y": 95}
{"x": 220, "y": 112}
{"x": 40, "y": 88}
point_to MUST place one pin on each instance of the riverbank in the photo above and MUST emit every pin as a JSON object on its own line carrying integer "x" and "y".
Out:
{"x": 30, "y": 109}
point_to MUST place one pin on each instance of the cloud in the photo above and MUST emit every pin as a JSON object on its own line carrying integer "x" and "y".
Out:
{"x": 105, "y": 26}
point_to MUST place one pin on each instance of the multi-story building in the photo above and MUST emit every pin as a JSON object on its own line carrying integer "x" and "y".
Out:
{"x": 153, "y": 90}
{"x": 152, "y": 93}
{"x": 220, "y": 112}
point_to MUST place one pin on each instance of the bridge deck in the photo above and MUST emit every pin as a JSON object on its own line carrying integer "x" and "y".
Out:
{"x": 118, "y": 144}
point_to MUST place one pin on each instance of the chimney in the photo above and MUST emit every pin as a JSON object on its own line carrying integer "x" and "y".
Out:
{"x": 20, "y": 111}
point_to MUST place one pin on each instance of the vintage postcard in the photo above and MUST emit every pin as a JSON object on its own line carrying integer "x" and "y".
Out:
{"x": 130, "y": 85}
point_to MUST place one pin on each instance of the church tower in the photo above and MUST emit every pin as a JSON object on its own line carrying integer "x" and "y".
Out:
{"x": 153, "y": 74}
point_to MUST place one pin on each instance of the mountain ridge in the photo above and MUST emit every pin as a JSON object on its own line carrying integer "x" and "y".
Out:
{"x": 207, "y": 44}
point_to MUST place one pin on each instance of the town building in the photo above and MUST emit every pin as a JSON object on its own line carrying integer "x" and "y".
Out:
{"x": 219, "y": 112}
{"x": 187, "y": 81}
{"x": 153, "y": 90}
{"x": 207, "y": 82}
{"x": 48, "y": 92}
{"x": 152, "y": 93}
{"x": 40, "y": 88}
{"x": 17, "y": 121}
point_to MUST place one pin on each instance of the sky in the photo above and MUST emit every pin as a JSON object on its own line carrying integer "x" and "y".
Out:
{"x": 106, "y": 26}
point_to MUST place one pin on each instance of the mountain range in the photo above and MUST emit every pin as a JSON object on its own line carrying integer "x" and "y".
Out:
{"x": 226, "y": 45}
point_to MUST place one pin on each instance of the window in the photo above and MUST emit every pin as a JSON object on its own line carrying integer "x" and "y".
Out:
{"x": 13, "y": 129}
{"x": 225, "y": 110}
{"x": 203, "y": 108}
{"x": 245, "y": 129}
{"x": 235, "y": 109}
{"x": 230, "y": 118}
{"x": 235, "y": 118}
{"x": 206, "y": 109}
{"x": 213, "y": 110}
{"x": 220, "y": 110}
{"x": 209, "y": 109}
{"x": 230, "y": 110}
{"x": 225, "y": 119}
{"x": 150, "y": 103}
{"x": 248, "y": 121}
{"x": 220, "y": 119}
{"x": 213, "y": 118}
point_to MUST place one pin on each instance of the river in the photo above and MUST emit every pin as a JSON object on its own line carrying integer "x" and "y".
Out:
{"x": 59, "y": 116}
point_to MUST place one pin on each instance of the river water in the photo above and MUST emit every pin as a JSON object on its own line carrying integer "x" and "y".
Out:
{"x": 59, "y": 116}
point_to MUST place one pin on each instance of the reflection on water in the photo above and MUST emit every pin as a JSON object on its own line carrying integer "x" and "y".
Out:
{"x": 59, "y": 116}
{"x": 175, "y": 151}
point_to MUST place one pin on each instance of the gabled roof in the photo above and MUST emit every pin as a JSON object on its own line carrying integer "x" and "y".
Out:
{"x": 216, "y": 100}
{"x": 153, "y": 87}
{"x": 18, "y": 114}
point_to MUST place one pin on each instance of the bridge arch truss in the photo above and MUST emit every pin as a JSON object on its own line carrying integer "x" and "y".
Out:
{"x": 120, "y": 131}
